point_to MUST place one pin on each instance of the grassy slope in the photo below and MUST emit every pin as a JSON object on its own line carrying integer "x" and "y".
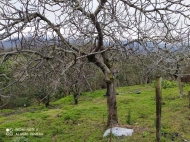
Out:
{"x": 65, "y": 122}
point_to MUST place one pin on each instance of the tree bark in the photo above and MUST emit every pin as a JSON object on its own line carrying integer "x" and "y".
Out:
{"x": 111, "y": 104}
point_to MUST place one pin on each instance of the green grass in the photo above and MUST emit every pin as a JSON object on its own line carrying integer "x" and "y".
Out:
{"x": 85, "y": 122}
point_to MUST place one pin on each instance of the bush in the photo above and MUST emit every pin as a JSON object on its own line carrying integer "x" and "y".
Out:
{"x": 60, "y": 93}
{"x": 20, "y": 101}
{"x": 169, "y": 84}
{"x": 166, "y": 84}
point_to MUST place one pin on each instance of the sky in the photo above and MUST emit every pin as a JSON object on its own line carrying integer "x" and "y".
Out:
{"x": 51, "y": 16}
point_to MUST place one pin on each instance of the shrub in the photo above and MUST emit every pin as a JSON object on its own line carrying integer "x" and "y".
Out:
{"x": 169, "y": 84}
{"x": 166, "y": 84}
{"x": 20, "y": 101}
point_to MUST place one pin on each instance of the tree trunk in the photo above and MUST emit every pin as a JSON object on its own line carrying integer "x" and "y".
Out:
{"x": 111, "y": 91}
{"x": 111, "y": 104}
{"x": 47, "y": 103}
{"x": 76, "y": 98}
{"x": 180, "y": 87}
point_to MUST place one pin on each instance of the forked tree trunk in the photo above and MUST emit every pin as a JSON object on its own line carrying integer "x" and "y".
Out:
{"x": 111, "y": 104}
{"x": 111, "y": 89}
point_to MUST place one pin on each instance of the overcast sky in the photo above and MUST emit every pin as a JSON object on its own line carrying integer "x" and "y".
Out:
{"x": 51, "y": 16}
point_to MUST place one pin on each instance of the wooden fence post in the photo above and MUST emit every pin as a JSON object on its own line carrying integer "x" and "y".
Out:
{"x": 158, "y": 108}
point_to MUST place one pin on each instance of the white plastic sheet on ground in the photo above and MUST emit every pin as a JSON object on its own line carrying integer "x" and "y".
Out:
{"x": 118, "y": 131}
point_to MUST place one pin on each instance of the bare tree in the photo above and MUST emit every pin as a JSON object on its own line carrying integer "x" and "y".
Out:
{"x": 61, "y": 30}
